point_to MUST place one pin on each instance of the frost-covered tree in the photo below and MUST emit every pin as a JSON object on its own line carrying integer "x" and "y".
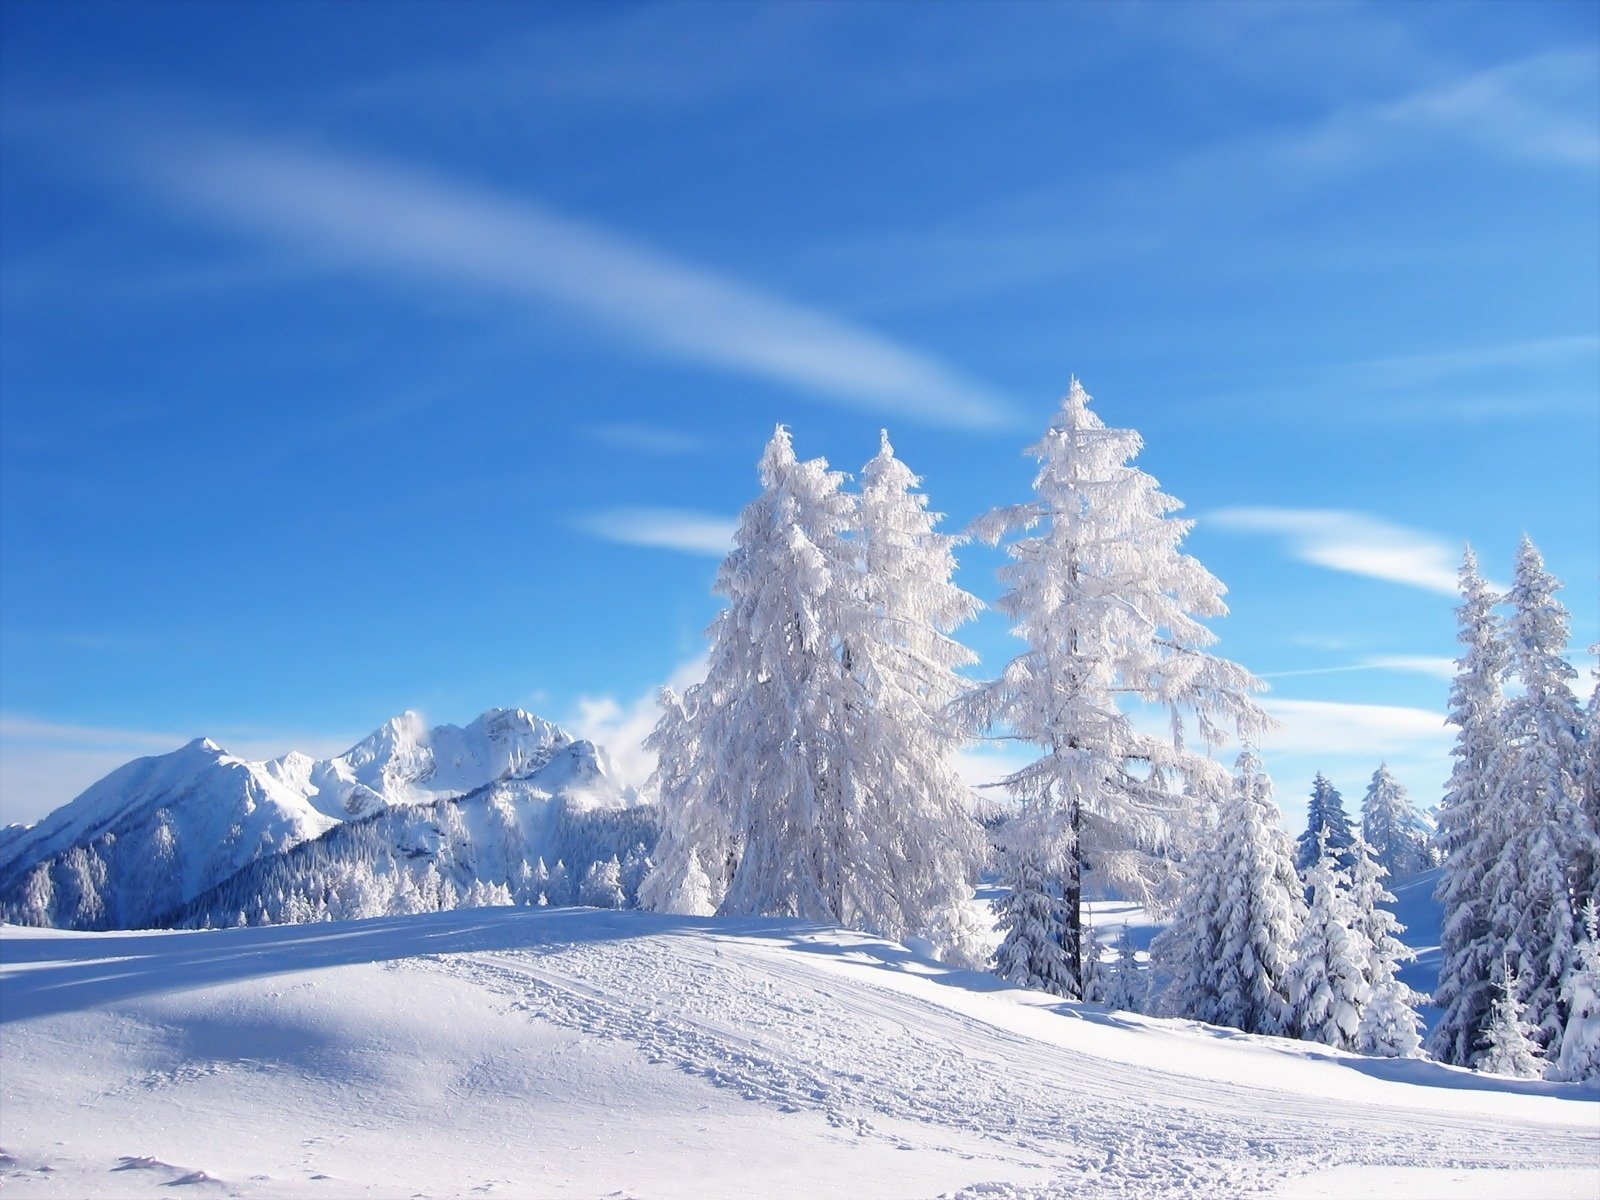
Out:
{"x": 1469, "y": 831}
{"x": 1391, "y": 827}
{"x": 1586, "y": 868}
{"x": 811, "y": 774}
{"x": 1507, "y": 1046}
{"x": 902, "y": 778}
{"x": 1389, "y": 1022}
{"x": 1536, "y": 799}
{"x": 1228, "y": 951}
{"x": 1110, "y": 612}
{"x": 602, "y": 885}
{"x": 1327, "y": 984}
{"x": 1127, "y": 988}
{"x": 1324, "y": 814}
{"x": 560, "y": 890}
{"x": 1580, "y": 1040}
{"x": 1030, "y": 918}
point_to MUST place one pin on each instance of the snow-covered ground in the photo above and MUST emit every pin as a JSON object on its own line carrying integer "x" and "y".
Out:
{"x": 573, "y": 1052}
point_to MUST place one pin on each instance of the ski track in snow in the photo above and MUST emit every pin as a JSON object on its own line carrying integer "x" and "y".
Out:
{"x": 782, "y": 1033}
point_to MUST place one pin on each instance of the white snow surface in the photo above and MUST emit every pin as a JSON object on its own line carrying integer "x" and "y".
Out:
{"x": 572, "y": 1052}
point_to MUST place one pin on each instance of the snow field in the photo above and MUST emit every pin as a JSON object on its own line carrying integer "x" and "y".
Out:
{"x": 570, "y": 1052}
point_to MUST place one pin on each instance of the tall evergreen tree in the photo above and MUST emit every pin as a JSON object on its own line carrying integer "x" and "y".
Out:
{"x": 1109, "y": 610}
{"x": 811, "y": 773}
{"x": 1390, "y": 826}
{"x": 1535, "y": 771}
{"x": 1228, "y": 952}
{"x": 755, "y": 784}
{"x": 1389, "y": 1023}
{"x": 1327, "y": 985}
{"x": 1580, "y": 1040}
{"x": 1469, "y": 833}
{"x": 1325, "y": 814}
{"x": 914, "y": 869}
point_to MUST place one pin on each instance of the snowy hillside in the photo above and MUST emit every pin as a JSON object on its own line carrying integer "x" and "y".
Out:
{"x": 565, "y": 1053}
{"x": 544, "y": 837}
{"x": 158, "y": 831}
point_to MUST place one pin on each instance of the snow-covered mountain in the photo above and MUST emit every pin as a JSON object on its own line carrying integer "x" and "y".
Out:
{"x": 158, "y": 831}
{"x": 542, "y": 837}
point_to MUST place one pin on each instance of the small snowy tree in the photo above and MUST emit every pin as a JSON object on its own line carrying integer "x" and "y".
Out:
{"x": 602, "y": 885}
{"x": 560, "y": 890}
{"x": 1469, "y": 833}
{"x": 1324, "y": 814}
{"x": 1326, "y": 983}
{"x": 1109, "y": 609}
{"x": 1580, "y": 1041}
{"x": 1127, "y": 987}
{"x": 1030, "y": 954}
{"x": 1390, "y": 826}
{"x": 1507, "y": 1047}
{"x": 1535, "y": 772}
{"x": 1228, "y": 953}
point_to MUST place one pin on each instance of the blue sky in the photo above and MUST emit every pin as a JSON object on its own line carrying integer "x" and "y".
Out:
{"x": 356, "y": 358}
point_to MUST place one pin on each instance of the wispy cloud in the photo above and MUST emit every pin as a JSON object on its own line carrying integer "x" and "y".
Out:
{"x": 350, "y": 213}
{"x": 622, "y": 725}
{"x": 667, "y": 528}
{"x": 1352, "y": 542}
{"x": 1374, "y": 731}
{"x": 645, "y": 439}
{"x": 1420, "y": 664}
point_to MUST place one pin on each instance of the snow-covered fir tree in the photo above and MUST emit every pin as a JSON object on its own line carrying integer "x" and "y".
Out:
{"x": 900, "y": 735}
{"x": 1228, "y": 951}
{"x": 1469, "y": 831}
{"x": 1128, "y": 986}
{"x": 1389, "y": 1022}
{"x": 811, "y": 773}
{"x": 1586, "y": 870}
{"x": 1109, "y": 609}
{"x": 1324, "y": 814}
{"x": 602, "y": 885}
{"x": 1030, "y": 954}
{"x": 1536, "y": 800}
{"x": 1507, "y": 1046}
{"x": 1391, "y": 828}
{"x": 1580, "y": 1041}
{"x": 1327, "y": 983}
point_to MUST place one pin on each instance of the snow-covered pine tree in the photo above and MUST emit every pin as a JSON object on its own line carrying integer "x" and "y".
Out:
{"x": 1586, "y": 871}
{"x": 1391, "y": 828}
{"x": 602, "y": 885}
{"x": 1109, "y": 609}
{"x": 1324, "y": 813}
{"x": 1507, "y": 1046}
{"x": 560, "y": 890}
{"x": 1327, "y": 986}
{"x": 1228, "y": 952}
{"x": 1030, "y": 953}
{"x": 1580, "y": 1040}
{"x": 1469, "y": 833}
{"x": 1389, "y": 1022}
{"x": 912, "y": 868}
{"x": 809, "y": 774}
{"x": 1535, "y": 770}
{"x": 1127, "y": 988}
